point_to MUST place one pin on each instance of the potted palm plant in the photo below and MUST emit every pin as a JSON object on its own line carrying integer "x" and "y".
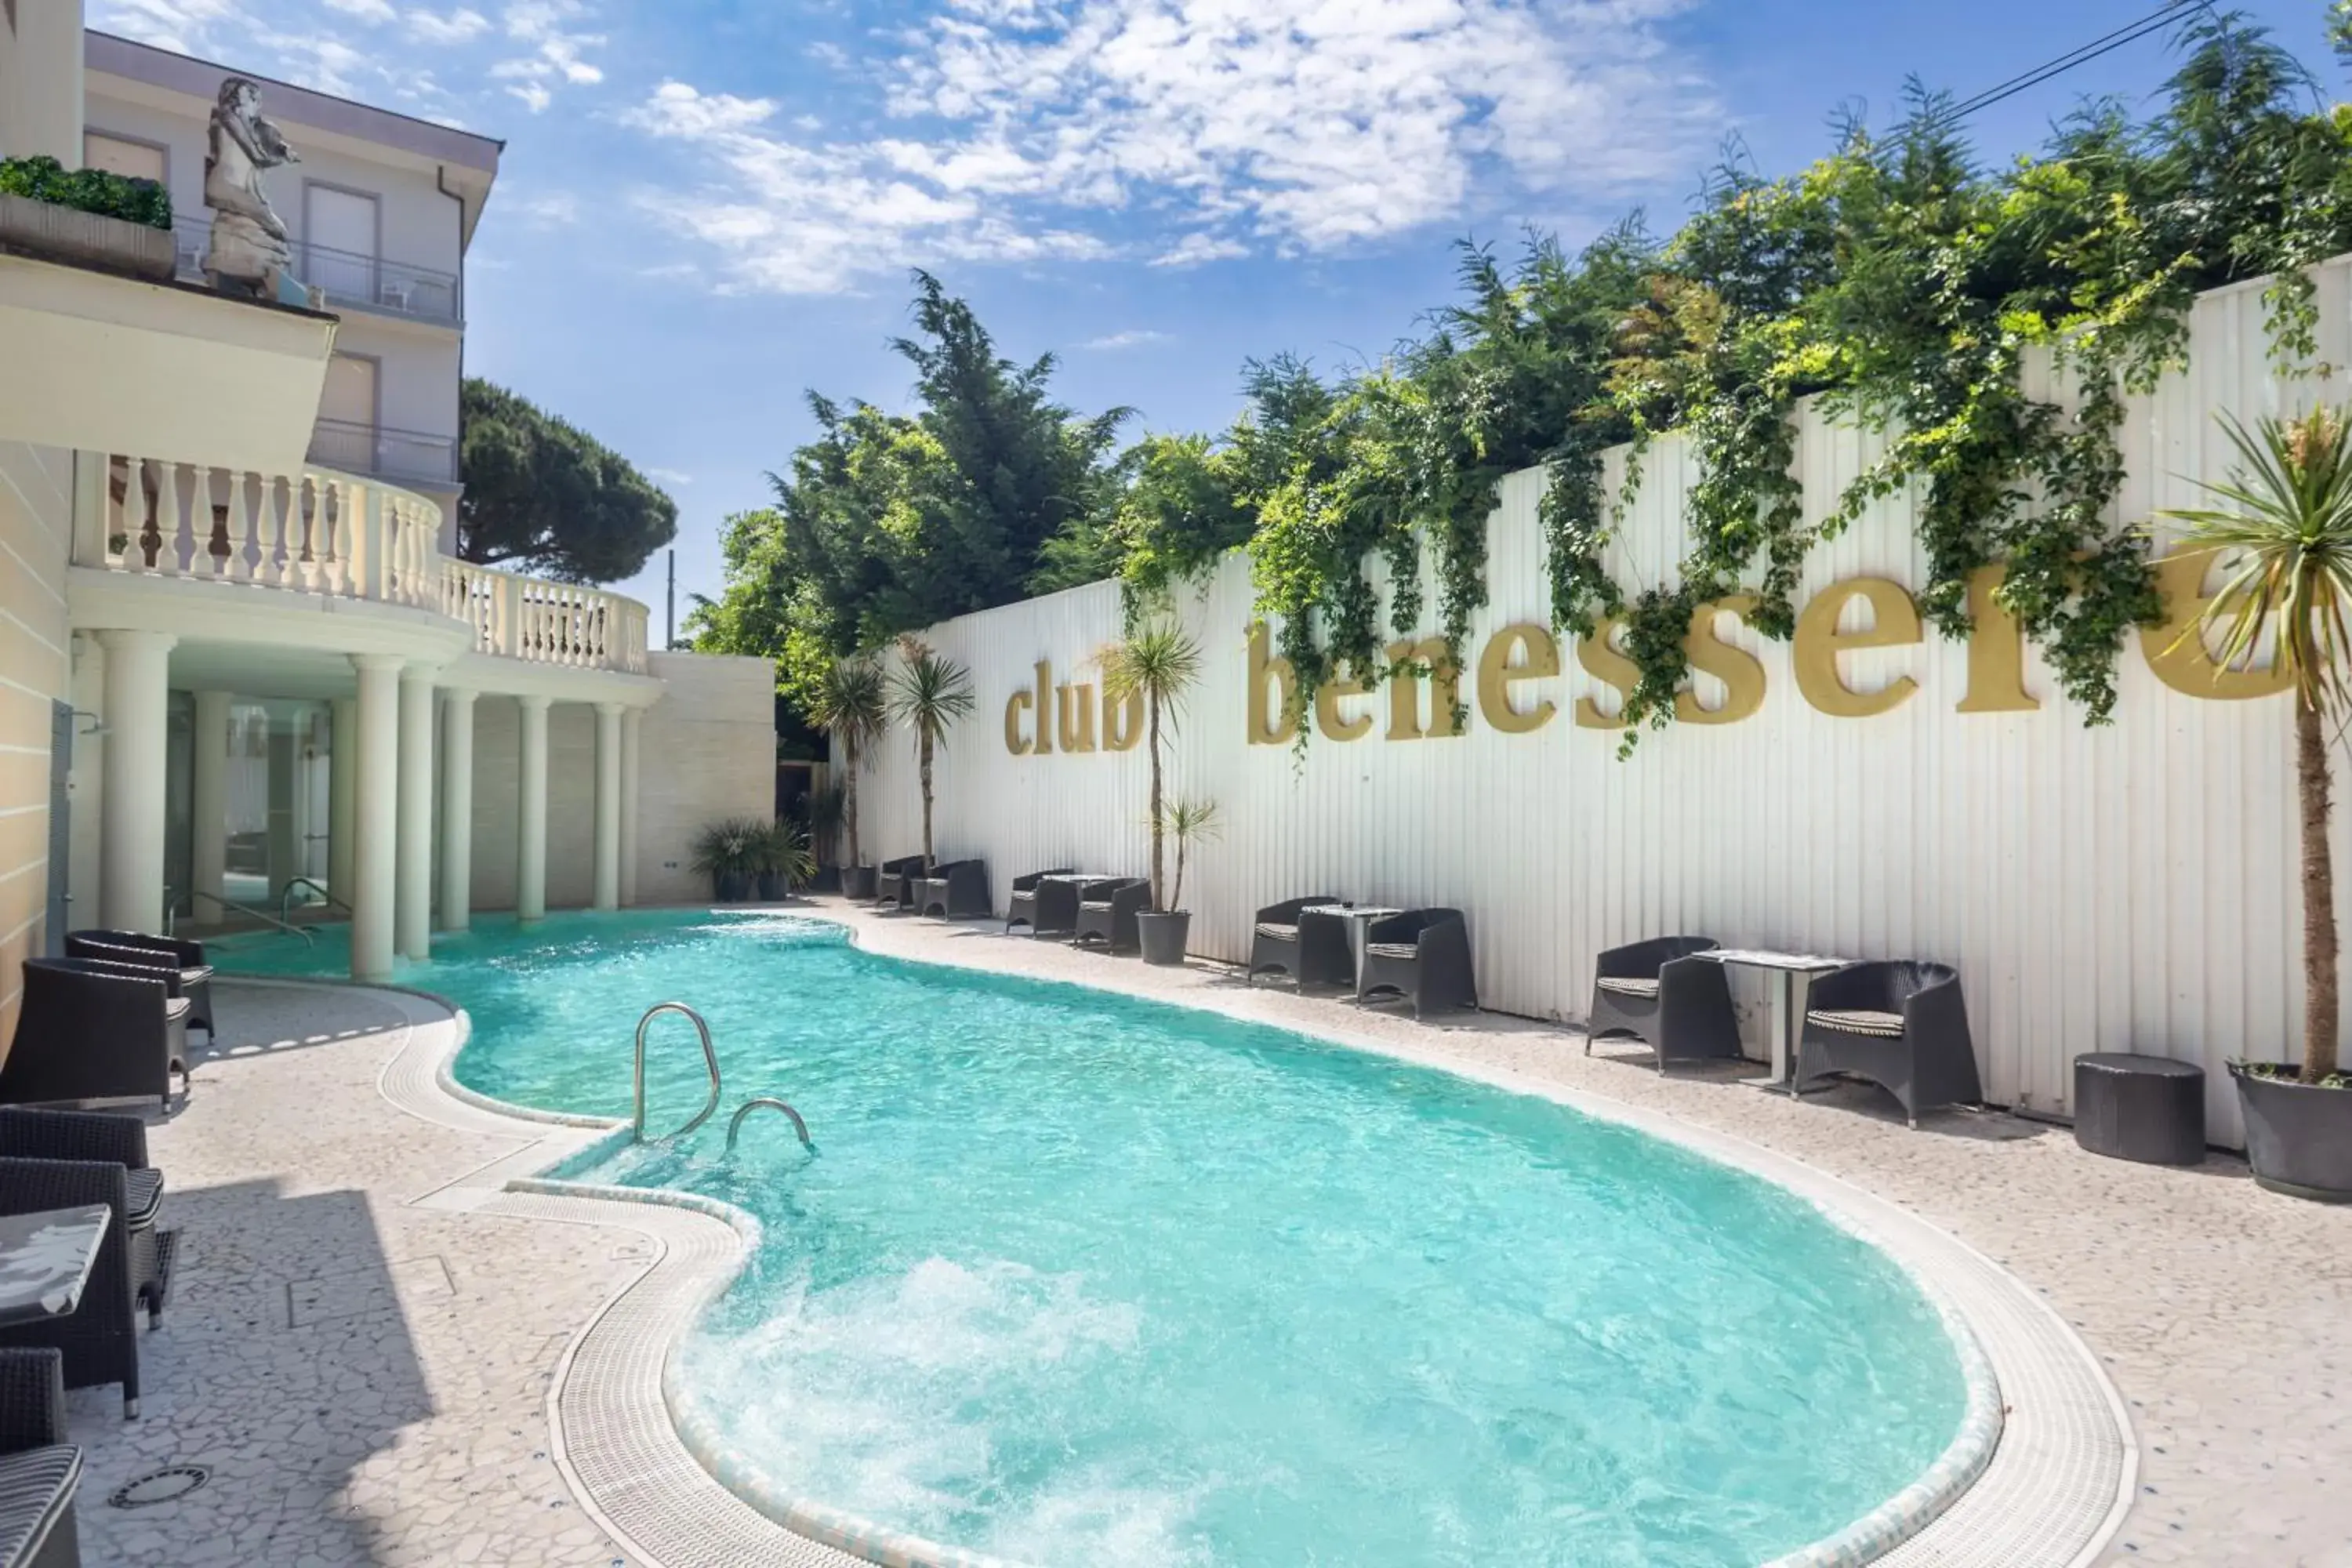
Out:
{"x": 728, "y": 853}
{"x": 784, "y": 861}
{"x": 1161, "y": 663}
{"x": 851, "y": 707}
{"x": 1187, "y": 823}
{"x": 928, "y": 693}
{"x": 2282, "y": 529}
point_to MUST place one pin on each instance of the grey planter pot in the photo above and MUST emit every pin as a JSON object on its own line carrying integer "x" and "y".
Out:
{"x": 1162, "y": 935}
{"x": 731, "y": 887}
{"x": 46, "y": 229}
{"x": 2298, "y": 1137}
{"x": 859, "y": 882}
{"x": 773, "y": 887}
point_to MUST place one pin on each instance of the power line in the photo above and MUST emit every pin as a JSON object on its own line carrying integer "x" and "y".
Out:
{"x": 2131, "y": 31}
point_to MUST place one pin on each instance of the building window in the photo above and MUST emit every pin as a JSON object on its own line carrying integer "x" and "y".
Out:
{"x": 138, "y": 160}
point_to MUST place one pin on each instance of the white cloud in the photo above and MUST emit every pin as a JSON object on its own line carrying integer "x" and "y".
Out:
{"x": 555, "y": 51}
{"x": 1131, "y": 339}
{"x": 184, "y": 26}
{"x": 456, "y": 26}
{"x": 377, "y": 11}
{"x": 1021, "y": 128}
{"x": 669, "y": 477}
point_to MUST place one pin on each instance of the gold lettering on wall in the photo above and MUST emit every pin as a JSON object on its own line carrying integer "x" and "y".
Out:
{"x": 1813, "y": 652}
{"x": 1599, "y": 656}
{"x": 1015, "y": 706}
{"x": 1044, "y": 708}
{"x": 1404, "y": 690}
{"x": 1122, "y": 722}
{"x": 1335, "y": 724}
{"x": 2176, "y": 650}
{"x": 1742, "y": 676}
{"x": 1996, "y": 650}
{"x": 1270, "y": 724}
{"x": 1075, "y": 706}
{"x": 1523, "y": 651}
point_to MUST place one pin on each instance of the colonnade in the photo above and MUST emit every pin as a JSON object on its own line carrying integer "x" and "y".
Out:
{"x": 381, "y": 839}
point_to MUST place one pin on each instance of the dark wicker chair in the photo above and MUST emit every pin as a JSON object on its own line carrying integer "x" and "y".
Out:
{"x": 1282, "y": 943}
{"x": 101, "y": 1337}
{"x": 1421, "y": 955}
{"x": 895, "y": 882}
{"x": 1901, "y": 1024}
{"x": 40, "y": 1470}
{"x": 1658, "y": 993}
{"x": 155, "y": 952}
{"x": 1108, "y": 909}
{"x": 92, "y": 1029}
{"x": 1043, "y": 906}
{"x": 29, "y": 1135}
{"x": 957, "y": 889}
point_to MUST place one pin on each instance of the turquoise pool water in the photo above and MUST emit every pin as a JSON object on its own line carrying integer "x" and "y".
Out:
{"x": 1080, "y": 1281}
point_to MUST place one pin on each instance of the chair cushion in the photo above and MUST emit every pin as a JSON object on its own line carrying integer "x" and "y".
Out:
{"x": 37, "y": 1487}
{"x": 1393, "y": 950}
{"x": 1858, "y": 1021}
{"x": 1096, "y": 904}
{"x": 197, "y": 976}
{"x": 1278, "y": 931}
{"x": 144, "y": 1191}
{"x": 176, "y": 1007}
{"x": 1627, "y": 986}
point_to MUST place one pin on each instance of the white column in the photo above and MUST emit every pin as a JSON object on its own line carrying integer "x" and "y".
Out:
{"x": 208, "y": 800}
{"x": 456, "y": 809}
{"x": 375, "y": 814}
{"x": 342, "y": 798}
{"x": 630, "y": 721}
{"x": 137, "y": 706}
{"x": 608, "y": 806}
{"x": 413, "y": 897}
{"x": 531, "y": 812}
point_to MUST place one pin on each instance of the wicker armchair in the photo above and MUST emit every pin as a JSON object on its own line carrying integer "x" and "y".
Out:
{"x": 1311, "y": 951}
{"x": 1108, "y": 909}
{"x": 1043, "y": 906}
{"x": 40, "y": 1470}
{"x": 1422, "y": 955}
{"x": 1901, "y": 1024}
{"x": 155, "y": 952}
{"x": 101, "y": 1337}
{"x": 957, "y": 889}
{"x": 92, "y": 1029}
{"x": 29, "y": 1135}
{"x": 894, "y": 883}
{"x": 1680, "y": 1005}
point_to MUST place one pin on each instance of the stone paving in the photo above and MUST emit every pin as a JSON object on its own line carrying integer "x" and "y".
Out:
{"x": 367, "y": 1379}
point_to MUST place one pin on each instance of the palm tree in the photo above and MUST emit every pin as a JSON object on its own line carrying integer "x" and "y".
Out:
{"x": 852, "y": 708}
{"x": 1162, "y": 662}
{"x": 2284, "y": 531}
{"x": 929, "y": 692}
{"x": 1189, "y": 822}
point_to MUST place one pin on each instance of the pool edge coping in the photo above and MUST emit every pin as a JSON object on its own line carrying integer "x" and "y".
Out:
{"x": 1907, "y": 1519}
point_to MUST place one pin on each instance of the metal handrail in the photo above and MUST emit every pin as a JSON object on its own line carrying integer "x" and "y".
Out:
{"x": 709, "y": 1059}
{"x": 286, "y": 895}
{"x": 750, "y": 1106}
{"x": 261, "y": 915}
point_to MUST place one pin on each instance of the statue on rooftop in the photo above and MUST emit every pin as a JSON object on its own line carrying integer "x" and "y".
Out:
{"x": 248, "y": 247}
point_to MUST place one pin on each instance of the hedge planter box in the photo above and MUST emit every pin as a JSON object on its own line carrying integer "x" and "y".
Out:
{"x": 1162, "y": 936}
{"x": 66, "y": 233}
{"x": 2298, "y": 1136}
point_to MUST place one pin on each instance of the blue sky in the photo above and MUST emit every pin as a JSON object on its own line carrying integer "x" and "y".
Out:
{"x": 709, "y": 205}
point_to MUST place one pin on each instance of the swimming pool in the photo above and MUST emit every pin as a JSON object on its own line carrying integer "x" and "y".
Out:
{"x": 1083, "y": 1279}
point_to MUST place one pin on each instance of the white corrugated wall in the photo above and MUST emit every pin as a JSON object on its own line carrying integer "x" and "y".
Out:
{"x": 2132, "y": 886}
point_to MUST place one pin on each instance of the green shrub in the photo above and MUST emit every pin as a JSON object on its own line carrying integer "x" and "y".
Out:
{"x": 88, "y": 190}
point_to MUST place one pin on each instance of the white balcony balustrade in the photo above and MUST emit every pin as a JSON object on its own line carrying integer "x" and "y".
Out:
{"x": 322, "y": 530}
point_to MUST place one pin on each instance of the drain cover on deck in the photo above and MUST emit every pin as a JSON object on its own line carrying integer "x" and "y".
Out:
{"x": 160, "y": 1487}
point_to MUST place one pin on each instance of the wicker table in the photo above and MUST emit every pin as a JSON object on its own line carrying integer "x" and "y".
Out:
{"x": 1787, "y": 966}
{"x": 2149, "y": 1109}
{"x": 1357, "y": 919}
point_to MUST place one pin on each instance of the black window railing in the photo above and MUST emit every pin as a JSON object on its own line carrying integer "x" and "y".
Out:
{"x": 350, "y": 280}
{"x": 381, "y": 452}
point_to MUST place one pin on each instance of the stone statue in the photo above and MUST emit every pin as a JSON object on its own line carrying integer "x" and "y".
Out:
{"x": 248, "y": 248}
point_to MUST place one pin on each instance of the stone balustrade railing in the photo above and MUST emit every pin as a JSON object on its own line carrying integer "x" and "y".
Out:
{"x": 324, "y": 532}
{"x": 549, "y": 623}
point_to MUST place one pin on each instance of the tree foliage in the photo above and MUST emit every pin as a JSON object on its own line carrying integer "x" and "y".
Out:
{"x": 543, "y": 496}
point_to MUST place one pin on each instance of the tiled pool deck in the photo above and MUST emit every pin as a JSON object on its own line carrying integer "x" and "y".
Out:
{"x": 365, "y": 1368}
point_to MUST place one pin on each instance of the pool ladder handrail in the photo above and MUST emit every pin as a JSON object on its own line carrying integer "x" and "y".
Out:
{"x": 709, "y": 1059}
{"x": 772, "y": 1103}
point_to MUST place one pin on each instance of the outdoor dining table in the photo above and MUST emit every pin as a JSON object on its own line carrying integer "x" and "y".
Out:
{"x": 46, "y": 1258}
{"x": 1359, "y": 918}
{"x": 1788, "y": 966}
